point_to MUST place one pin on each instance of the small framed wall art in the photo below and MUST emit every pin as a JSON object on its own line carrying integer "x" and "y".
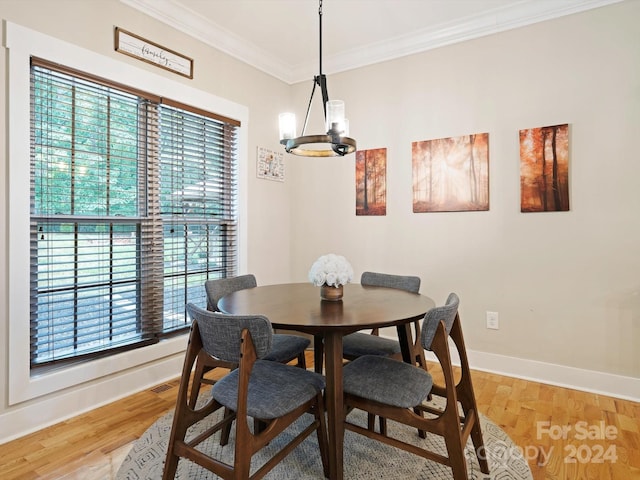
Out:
{"x": 371, "y": 182}
{"x": 544, "y": 169}
{"x": 135, "y": 46}
{"x": 270, "y": 165}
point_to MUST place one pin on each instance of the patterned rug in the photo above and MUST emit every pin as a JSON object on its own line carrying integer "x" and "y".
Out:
{"x": 363, "y": 458}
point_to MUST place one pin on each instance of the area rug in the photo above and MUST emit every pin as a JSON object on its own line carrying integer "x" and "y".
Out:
{"x": 363, "y": 458}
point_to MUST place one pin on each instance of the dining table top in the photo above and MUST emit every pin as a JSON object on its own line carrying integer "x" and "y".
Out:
{"x": 298, "y": 306}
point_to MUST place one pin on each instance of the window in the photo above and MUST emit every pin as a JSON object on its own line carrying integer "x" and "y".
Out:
{"x": 133, "y": 207}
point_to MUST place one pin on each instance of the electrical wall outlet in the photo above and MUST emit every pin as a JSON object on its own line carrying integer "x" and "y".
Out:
{"x": 492, "y": 320}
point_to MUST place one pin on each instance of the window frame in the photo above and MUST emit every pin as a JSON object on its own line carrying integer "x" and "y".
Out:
{"x": 22, "y": 44}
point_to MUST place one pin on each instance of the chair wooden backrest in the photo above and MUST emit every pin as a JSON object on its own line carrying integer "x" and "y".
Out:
{"x": 243, "y": 340}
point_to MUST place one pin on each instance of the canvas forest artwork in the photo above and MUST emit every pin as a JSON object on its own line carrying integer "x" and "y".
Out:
{"x": 544, "y": 169}
{"x": 371, "y": 182}
{"x": 451, "y": 174}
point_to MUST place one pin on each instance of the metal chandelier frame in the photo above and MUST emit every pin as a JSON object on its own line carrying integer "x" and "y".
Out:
{"x": 337, "y": 144}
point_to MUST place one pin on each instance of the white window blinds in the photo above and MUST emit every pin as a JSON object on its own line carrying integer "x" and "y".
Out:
{"x": 133, "y": 207}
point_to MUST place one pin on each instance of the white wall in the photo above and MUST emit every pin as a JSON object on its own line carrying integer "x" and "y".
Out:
{"x": 566, "y": 285}
{"x": 29, "y": 403}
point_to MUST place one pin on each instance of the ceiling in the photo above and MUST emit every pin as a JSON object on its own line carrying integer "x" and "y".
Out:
{"x": 281, "y": 37}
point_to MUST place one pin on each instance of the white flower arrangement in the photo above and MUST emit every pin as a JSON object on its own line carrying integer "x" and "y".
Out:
{"x": 332, "y": 269}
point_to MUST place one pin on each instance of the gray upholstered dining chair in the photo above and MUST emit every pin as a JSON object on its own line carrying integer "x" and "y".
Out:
{"x": 284, "y": 348}
{"x": 397, "y": 391}
{"x": 274, "y": 393}
{"x": 357, "y": 344}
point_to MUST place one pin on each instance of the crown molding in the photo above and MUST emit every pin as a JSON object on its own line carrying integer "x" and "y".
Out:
{"x": 518, "y": 14}
{"x": 174, "y": 14}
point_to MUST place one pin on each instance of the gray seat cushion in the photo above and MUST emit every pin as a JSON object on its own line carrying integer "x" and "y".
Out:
{"x": 286, "y": 347}
{"x": 387, "y": 381}
{"x": 358, "y": 344}
{"x": 275, "y": 389}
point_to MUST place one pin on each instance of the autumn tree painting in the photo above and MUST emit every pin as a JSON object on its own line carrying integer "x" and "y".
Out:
{"x": 544, "y": 169}
{"x": 371, "y": 182}
{"x": 451, "y": 174}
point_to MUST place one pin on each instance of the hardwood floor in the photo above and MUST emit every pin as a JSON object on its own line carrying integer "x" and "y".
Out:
{"x": 565, "y": 434}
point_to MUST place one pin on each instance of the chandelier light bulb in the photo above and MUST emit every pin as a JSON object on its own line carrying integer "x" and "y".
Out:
{"x": 287, "y": 123}
{"x": 335, "y": 117}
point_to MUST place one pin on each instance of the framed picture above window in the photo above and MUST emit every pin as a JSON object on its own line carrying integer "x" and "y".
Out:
{"x": 137, "y": 47}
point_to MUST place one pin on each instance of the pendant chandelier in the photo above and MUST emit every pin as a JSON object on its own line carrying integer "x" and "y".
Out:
{"x": 336, "y": 141}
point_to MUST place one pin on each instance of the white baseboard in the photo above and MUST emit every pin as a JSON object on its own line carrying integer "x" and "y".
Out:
{"x": 46, "y": 412}
{"x": 619, "y": 386}
{"x": 30, "y": 418}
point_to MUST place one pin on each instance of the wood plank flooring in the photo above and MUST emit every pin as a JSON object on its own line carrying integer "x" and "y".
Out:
{"x": 565, "y": 434}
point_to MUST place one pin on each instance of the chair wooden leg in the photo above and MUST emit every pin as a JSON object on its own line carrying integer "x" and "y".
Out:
{"x": 421, "y": 360}
{"x": 371, "y": 422}
{"x": 455, "y": 451}
{"x": 323, "y": 440}
{"x": 259, "y": 426}
{"x": 226, "y": 431}
{"x": 318, "y": 353}
{"x": 242, "y": 454}
{"x": 421, "y": 433}
{"x": 470, "y": 409}
{"x": 478, "y": 446}
{"x": 454, "y": 443}
{"x": 383, "y": 426}
{"x": 302, "y": 361}
{"x": 171, "y": 464}
{"x": 197, "y": 380}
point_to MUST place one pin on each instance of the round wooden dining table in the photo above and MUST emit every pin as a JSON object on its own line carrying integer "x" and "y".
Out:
{"x": 298, "y": 306}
